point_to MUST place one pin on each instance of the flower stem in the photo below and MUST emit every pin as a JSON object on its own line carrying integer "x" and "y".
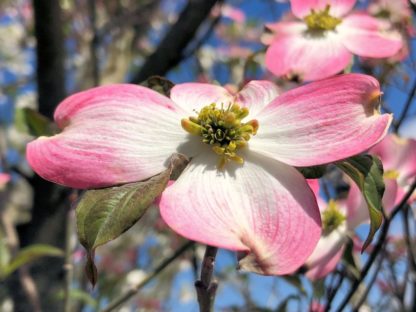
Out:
{"x": 406, "y": 108}
{"x": 68, "y": 266}
{"x": 205, "y": 287}
{"x": 133, "y": 291}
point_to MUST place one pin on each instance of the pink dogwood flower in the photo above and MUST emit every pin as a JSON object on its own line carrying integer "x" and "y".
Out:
{"x": 398, "y": 156}
{"x": 239, "y": 191}
{"x": 399, "y": 161}
{"x": 322, "y": 42}
{"x": 340, "y": 218}
{"x": 396, "y": 11}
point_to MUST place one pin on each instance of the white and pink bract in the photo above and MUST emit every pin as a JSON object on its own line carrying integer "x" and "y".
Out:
{"x": 262, "y": 208}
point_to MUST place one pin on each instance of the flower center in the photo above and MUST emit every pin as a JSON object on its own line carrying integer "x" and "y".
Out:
{"x": 332, "y": 218}
{"x": 391, "y": 174}
{"x": 383, "y": 13}
{"x": 223, "y": 129}
{"x": 321, "y": 21}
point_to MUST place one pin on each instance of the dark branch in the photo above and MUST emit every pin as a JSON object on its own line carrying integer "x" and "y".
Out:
{"x": 169, "y": 53}
{"x": 406, "y": 108}
{"x": 130, "y": 293}
{"x": 94, "y": 45}
{"x": 205, "y": 287}
{"x": 50, "y": 55}
{"x": 49, "y": 209}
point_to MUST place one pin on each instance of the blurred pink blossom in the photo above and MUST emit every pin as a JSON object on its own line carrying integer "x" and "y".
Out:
{"x": 235, "y": 14}
{"x": 398, "y": 156}
{"x": 323, "y": 39}
{"x": 4, "y": 179}
{"x": 341, "y": 218}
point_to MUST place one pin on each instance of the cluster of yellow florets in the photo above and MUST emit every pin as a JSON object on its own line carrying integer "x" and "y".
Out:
{"x": 322, "y": 20}
{"x": 223, "y": 129}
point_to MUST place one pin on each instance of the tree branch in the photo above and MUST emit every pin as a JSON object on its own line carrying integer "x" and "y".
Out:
{"x": 169, "y": 53}
{"x": 49, "y": 208}
{"x": 398, "y": 123}
{"x": 205, "y": 287}
{"x": 133, "y": 291}
{"x": 50, "y": 55}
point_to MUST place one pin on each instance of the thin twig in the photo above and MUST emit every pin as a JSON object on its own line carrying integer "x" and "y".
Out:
{"x": 133, "y": 291}
{"x": 394, "y": 282}
{"x": 205, "y": 287}
{"x": 411, "y": 252}
{"x": 377, "y": 248}
{"x": 332, "y": 292}
{"x": 398, "y": 290}
{"x": 29, "y": 288}
{"x": 369, "y": 286}
{"x": 68, "y": 266}
{"x": 26, "y": 281}
{"x": 406, "y": 108}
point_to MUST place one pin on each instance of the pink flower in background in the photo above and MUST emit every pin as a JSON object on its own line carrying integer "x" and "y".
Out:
{"x": 240, "y": 191}
{"x": 397, "y": 11}
{"x": 400, "y": 15}
{"x": 339, "y": 220}
{"x": 315, "y": 306}
{"x": 399, "y": 161}
{"x": 4, "y": 179}
{"x": 233, "y": 13}
{"x": 330, "y": 247}
{"x": 398, "y": 156}
{"x": 323, "y": 41}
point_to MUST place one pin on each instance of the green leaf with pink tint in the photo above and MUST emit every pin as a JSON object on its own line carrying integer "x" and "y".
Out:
{"x": 104, "y": 214}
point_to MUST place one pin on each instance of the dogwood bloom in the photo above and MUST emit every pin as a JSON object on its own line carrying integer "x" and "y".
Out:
{"x": 339, "y": 221}
{"x": 398, "y": 156}
{"x": 397, "y": 11}
{"x": 239, "y": 191}
{"x": 322, "y": 42}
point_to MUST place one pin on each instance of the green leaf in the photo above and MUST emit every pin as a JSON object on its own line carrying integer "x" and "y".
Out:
{"x": 314, "y": 172}
{"x": 349, "y": 260}
{"x": 104, "y": 214}
{"x": 90, "y": 267}
{"x": 159, "y": 84}
{"x": 34, "y": 123}
{"x": 30, "y": 254}
{"x": 367, "y": 173}
{"x": 4, "y": 255}
{"x": 79, "y": 295}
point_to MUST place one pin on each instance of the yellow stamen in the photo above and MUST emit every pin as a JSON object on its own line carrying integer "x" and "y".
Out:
{"x": 191, "y": 127}
{"x": 223, "y": 129}
{"x": 332, "y": 218}
{"x": 322, "y": 20}
{"x": 391, "y": 174}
